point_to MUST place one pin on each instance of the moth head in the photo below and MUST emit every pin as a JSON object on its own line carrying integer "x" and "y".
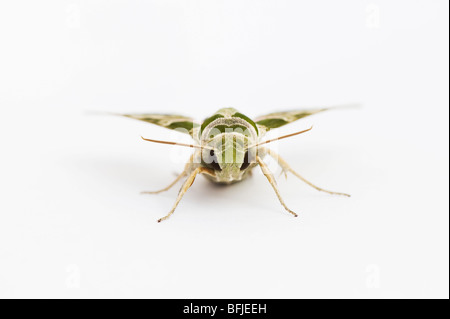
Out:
{"x": 229, "y": 156}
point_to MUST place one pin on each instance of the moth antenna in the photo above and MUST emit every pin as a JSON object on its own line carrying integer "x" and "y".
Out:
{"x": 281, "y": 137}
{"x": 174, "y": 143}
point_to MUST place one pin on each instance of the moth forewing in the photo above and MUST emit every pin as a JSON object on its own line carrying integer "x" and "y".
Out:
{"x": 180, "y": 123}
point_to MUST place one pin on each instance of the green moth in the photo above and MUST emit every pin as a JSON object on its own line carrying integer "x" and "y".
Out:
{"x": 227, "y": 146}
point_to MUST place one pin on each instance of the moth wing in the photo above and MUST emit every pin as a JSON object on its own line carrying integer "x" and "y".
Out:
{"x": 171, "y": 121}
{"x": 278, "y": 119}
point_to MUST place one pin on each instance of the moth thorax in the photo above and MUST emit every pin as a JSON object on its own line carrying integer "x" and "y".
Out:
{"x": 227, "y": 126}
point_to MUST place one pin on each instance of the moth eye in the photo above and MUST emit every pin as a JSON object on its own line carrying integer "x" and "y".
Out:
{"x": 214, "y": 164}
{"x": 246, "y": 162}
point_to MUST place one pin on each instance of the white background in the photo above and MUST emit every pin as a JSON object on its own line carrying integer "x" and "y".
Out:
{"x": 72, "y": 221}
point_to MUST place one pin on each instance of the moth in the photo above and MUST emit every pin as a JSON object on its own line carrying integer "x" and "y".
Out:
{"x": 227, "y": 146}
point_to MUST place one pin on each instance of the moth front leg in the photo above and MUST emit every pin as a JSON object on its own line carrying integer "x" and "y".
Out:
{"x": 184, "y": 173}
{"x": 286, "y": 168}
{"x": 169, "y": 186}
{"x": 187, "y": 184}
{"x": 272, "y": 182}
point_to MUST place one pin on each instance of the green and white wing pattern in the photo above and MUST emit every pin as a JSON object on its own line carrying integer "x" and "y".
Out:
{"x": 278, "y": 119}
{"x": 170, "y": 121}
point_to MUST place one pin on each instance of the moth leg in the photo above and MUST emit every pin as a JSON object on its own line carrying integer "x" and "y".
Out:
{"x": 283, "y": 172}
{"x": 184, "y": 173}
{"x": 285, "y": 166}
{"x": 272, "y": 182}
{"x": 169, "y": 186}
{"x": 188, "y": 183}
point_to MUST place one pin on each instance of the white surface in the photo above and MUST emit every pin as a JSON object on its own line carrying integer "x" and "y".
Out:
{"x": 72, "y": 221}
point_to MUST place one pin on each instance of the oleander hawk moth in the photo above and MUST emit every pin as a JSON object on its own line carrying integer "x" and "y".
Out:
{"x": 227, "y": 146}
